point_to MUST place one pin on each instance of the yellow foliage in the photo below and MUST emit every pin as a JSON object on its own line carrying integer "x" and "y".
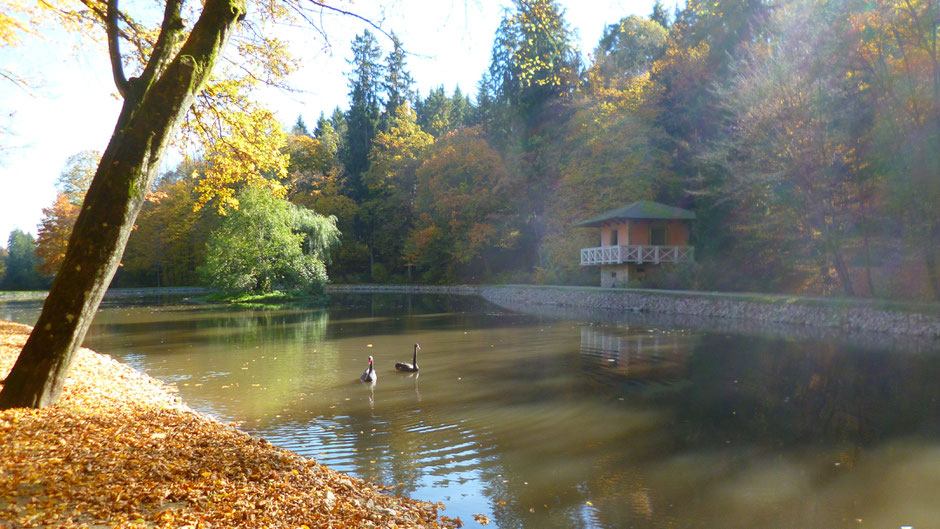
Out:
{"x": 243, "y": 142}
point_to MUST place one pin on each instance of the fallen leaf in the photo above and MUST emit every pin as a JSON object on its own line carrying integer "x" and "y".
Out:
{"x": 481, "y": 519}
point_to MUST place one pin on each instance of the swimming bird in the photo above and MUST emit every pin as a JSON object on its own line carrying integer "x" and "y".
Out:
{"x": 369, "y": 375}
{"x": 412, "y": 367}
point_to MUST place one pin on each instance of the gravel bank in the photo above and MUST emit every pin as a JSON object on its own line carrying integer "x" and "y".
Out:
{"x": 861, "y": 315}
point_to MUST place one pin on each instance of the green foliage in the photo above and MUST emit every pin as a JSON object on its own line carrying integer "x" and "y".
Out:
{"x": 802, "y": 134}
{"x": 398, "y": 81}
{"x": 327, "y": 135}
{"x": 22, "y": 264}
{"x": 362, "y": 119}
{"x": 533, "y": 58}
{"x": 630, "y": 47}
{"x": 391, "y": 181}
{"x": 269, "y": 243}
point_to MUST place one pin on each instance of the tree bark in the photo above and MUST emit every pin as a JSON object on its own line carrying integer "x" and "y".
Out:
{"x": 153, "y": 108}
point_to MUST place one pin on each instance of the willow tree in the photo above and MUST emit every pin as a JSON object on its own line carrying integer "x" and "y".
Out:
{"x": 172, "y": 64}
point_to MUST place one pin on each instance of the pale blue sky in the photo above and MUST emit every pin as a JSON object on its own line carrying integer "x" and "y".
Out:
{"x": 74, "y": 109}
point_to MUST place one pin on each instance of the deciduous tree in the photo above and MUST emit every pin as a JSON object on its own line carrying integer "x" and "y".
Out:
{"x": 58, "y": 220}
{"x": 464, "y": 206}
{"x": 392, "y": 183}
{"x": 797, "y": 116}
{"x": 269, "y": 243}
{"x": 172, "y": 63}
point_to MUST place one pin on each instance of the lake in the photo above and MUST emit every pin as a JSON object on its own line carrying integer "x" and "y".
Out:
{"x": 561, "y": 419}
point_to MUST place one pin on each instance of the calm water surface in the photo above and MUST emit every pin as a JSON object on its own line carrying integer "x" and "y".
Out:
{"x": 542, "y": 422}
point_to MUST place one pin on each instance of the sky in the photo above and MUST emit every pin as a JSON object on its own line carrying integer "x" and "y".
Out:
{"x": 72, "y": 106}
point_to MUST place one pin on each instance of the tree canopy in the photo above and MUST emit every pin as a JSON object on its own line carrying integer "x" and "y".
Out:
{"x": 267, "y": 244}
{"x": 802, "y": 133}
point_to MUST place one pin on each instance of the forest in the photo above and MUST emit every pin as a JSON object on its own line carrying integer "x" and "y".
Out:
{"x": 803, "y": 134}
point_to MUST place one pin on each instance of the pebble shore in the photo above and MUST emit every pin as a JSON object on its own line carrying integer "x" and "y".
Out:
{"x": 860, "y": 315}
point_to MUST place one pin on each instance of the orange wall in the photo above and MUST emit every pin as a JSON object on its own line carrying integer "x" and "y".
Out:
{"x": 621, "y": 234}
{"x": 677, "y": 233}
{"x": 638, "y": 232}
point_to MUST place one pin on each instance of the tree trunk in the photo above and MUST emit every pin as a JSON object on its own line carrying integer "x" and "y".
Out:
{"x": 151, "y": 114}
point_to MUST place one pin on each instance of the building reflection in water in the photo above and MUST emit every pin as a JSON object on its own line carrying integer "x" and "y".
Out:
{"x": 638, "y": 353}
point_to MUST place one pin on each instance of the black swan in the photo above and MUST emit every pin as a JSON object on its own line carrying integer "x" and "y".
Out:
{"x": 369, "y": 375}
{"x": 412, "y": 367}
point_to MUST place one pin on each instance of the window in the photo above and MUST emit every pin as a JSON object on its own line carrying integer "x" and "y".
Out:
{"x": 613, "y": 236}
{"x": 658, "y": 234}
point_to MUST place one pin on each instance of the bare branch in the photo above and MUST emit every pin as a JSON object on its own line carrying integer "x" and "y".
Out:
{"x": 378, "y": 28}
{"x": 114, "y": 48}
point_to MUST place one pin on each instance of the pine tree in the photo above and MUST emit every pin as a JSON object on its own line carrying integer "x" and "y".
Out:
{"x": 300, "y": 128}
{"x": 434, "y": 113}
{"x": 21, "y": 263}
{"x": 461, "y": 109}
{"x": 660, "y": 14}
{"x": 534, "y": 60}
{"x": 398, "y": 82}
{"x": 363, "y": 115}
{"x": 483, "y": 110}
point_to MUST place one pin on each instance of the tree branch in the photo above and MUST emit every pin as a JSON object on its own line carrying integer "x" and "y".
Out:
{"x": 163, "y": 49}
{"x": 114, "y": 48}
{"x": 322, "y": 5}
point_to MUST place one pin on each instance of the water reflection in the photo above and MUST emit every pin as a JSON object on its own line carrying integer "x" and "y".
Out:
{"x": 544, "y": 421}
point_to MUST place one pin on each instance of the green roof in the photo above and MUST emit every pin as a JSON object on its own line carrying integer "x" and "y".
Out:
{"x": 644, "y": 209}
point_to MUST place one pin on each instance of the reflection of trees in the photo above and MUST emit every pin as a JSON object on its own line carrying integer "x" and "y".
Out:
{"x": 609, "y": 414}
{"x": 259, "y": 360}
{"x": 776, "y": 391}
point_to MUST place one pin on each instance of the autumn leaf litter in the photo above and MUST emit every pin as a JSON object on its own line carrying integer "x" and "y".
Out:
{"x": 119, "y": 449}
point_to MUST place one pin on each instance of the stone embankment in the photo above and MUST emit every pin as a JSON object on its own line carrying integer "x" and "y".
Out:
{"x": 852, "y": 315}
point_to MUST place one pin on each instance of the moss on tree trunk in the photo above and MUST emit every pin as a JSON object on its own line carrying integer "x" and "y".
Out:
{"x": 151, "y": 115}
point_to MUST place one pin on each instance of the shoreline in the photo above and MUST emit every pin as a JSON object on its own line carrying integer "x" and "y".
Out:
{"x": 919, "y": 321}
{"x": 840, "y": 315}
{"x": 120, "y": 449}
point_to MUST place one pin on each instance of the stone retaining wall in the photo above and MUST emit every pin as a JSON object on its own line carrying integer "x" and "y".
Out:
{"x": 792, "y": 311}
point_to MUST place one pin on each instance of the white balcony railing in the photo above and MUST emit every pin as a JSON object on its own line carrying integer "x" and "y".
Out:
{"x": 636, "y": 254}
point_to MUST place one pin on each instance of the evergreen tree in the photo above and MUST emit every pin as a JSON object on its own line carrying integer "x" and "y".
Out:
{"x": 534, "y": 60}
{"x": 300, "y": 128}
{"x": 363, "y": 115}
{"x": 21, "y": 264}
{"x": 434, "y": 113}
{"x": 3, "y": 263}
{"x": 482, "y": 113}
{"x": 398, "y": 82}
{"x": 338, "y": 121}
{"x": 461, "y": 109}
{"x": 660, "y": 14}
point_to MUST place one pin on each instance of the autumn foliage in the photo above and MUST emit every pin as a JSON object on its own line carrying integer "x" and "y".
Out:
{"x": 120, "y": 450}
